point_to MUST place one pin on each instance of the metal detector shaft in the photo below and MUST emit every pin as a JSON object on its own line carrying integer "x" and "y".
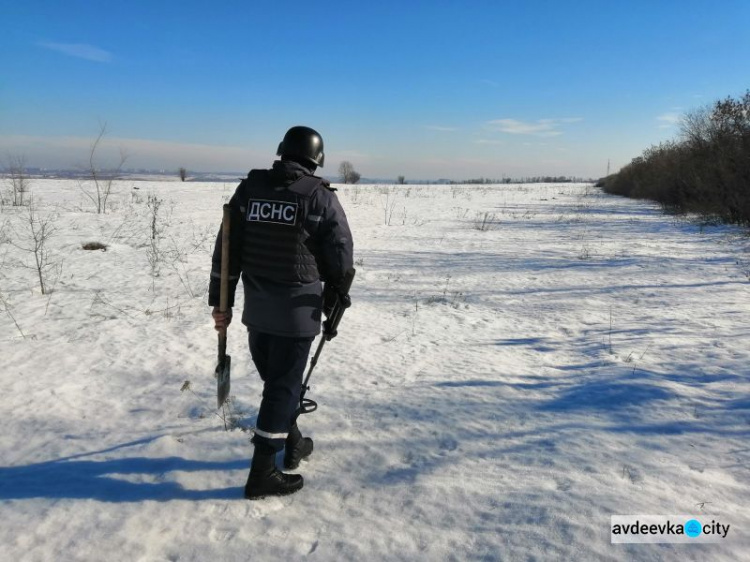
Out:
{"x": 222, "y": 373}
{"x": 306, "y": 405}
{"x": 329, "y": 331}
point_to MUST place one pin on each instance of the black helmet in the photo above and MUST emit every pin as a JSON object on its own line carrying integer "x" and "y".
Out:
{"x": 303, "y": 143}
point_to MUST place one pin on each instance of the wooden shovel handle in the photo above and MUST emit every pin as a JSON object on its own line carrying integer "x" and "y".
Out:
{"x": 224, "y": 285}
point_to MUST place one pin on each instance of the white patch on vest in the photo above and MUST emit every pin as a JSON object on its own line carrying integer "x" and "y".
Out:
{"x": 277, "y": 212}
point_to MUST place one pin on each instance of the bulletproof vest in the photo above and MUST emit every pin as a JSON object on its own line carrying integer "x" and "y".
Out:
{"x": 274, "y": 238}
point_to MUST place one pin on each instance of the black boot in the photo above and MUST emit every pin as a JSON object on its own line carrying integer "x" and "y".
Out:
{"x": 265, "y": 479}
{"x": 296, "y": 448}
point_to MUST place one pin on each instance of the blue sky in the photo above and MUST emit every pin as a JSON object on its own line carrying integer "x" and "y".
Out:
{"x": 439, "y": 89}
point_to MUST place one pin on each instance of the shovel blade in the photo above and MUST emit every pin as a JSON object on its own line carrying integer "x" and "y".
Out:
{"x": 222, "y": 380}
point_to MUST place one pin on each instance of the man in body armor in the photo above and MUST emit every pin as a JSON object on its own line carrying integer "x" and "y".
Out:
{"x": 288, "y": 234}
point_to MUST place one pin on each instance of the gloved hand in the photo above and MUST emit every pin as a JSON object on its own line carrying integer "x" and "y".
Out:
{"x": 330, "y": 295}
{"x": 345, "y": 301}
{"x": 328, "y": 332}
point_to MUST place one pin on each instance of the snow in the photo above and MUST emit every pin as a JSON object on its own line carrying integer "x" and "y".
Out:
{"x": 493, "y": 394}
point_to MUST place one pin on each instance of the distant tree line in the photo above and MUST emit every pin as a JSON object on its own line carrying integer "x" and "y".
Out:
{"x": 531, "y": 179}
{"x": 705, "y": 171}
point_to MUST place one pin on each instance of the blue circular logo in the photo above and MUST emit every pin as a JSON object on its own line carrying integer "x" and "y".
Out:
{"x": 693, "y": 528}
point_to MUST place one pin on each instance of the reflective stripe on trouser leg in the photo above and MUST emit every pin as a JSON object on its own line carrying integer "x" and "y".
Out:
{"x": 266, "y": 435}
{"x": 281, "y": 363}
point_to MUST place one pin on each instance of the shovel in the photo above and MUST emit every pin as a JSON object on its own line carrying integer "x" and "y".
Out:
{"x": 225, "y": 361}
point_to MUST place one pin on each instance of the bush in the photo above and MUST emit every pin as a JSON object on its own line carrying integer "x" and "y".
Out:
{"x": 707, "y": 171}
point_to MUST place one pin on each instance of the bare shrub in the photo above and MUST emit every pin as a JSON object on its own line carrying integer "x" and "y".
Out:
{"x": 388, "y": 205}
{"x": 191, "y": 278}
{"x": 154, "y": 204}
{"x": 39, "y": 230}
{"x": 4, "y": 236}
{"x": 17, "y": 179}
{"x": 355, "y": 194}
{"x": 484, "y": 221}
{"x": 8, "y": 309}
{"x": 103, "y": 179}
{"x": 154, "y": 253}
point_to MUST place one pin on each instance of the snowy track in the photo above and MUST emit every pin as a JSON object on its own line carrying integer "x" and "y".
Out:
{"x": 493, "y": 395}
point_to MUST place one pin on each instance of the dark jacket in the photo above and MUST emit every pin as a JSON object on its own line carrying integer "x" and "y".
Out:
{"x": 288, "y": 232}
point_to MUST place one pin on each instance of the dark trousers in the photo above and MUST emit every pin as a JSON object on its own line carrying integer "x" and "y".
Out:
{"x": 281, "y": 364}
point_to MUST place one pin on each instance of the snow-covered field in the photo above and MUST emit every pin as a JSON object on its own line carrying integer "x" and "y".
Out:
{"x": 494, "y": 394}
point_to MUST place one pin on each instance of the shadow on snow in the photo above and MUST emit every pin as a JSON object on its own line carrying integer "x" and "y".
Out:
{"x": 75, "y": 478}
